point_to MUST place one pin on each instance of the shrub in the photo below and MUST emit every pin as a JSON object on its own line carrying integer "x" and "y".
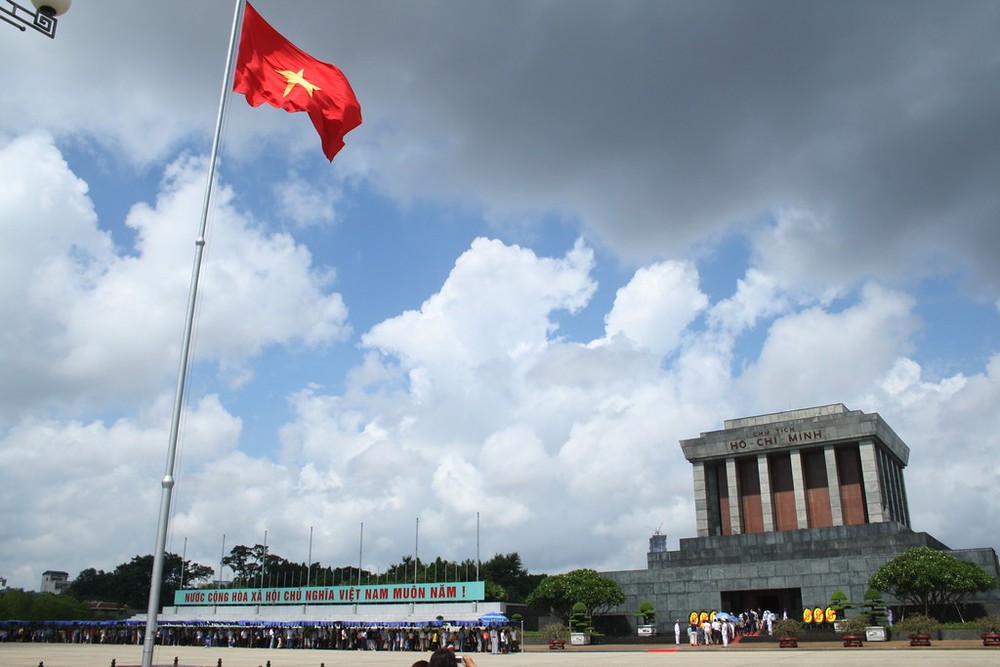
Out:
{"x": 917, "y": 624}
{"x": 555, "y": 631}
{"x": 788, "y": 627}
{"x": 989, "y": 623}
{"x": 853, "y": 625}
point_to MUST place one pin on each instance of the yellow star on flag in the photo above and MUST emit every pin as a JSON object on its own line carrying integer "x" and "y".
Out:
{"x": 296, "y": 79}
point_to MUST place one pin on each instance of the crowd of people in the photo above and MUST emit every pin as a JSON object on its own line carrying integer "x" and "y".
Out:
{"x": 721, "y": 629}
{"x": 369, "y": 637}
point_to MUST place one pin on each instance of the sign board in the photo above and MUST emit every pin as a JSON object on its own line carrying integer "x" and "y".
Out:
{"x": 464, "y": 591}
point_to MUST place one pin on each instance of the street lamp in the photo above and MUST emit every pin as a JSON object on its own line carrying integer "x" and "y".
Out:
{"x": 43, "y": 19}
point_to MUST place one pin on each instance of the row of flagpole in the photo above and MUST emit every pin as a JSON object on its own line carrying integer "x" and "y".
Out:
{"x": 309, "y": 563}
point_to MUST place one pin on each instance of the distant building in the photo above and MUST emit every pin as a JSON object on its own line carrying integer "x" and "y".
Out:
{"x": 108, "y": 610}
{"x": 790, "y": 507}
{"x": 54, "y": 581}
{"x": 657, "y": 542}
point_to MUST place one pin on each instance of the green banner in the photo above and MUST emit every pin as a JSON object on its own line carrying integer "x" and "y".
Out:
{"x": 464, "y": 591}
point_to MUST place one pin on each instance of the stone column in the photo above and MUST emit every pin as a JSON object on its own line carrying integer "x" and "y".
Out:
{"x": 889, "y": 487}
{"x": 735, "y": 501}
{"x": 799, "y": 487}
{"x": 902, "y": 497}
{"x": 869, "y": 473}
{"x": 833, "y": 483}
{"x": 900, "y": 512}
{"x": 764, "y": 472}
{"x": 700, "y": 498}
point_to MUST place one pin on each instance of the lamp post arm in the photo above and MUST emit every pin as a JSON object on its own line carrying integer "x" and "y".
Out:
{"x": 23, "y": 18}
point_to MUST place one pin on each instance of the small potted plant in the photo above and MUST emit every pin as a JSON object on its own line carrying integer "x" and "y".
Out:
{"x": 874, "y": 608}
{"x": 852, "y": 630}
{"x": 556, "y": 635}
{"x": 788, "y": 631}
{"x": 646, "y": 619}
{"x": 919, "y": 628}
{"x": 990, "y": 627}
{"x": 580, "y": 628}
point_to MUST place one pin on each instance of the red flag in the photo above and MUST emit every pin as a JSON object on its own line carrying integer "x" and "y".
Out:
{"x": 271, "y": 69}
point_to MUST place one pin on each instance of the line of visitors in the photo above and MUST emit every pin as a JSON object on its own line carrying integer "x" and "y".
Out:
{"x": 721, "y": 631}
{"x": 467, "y": 639}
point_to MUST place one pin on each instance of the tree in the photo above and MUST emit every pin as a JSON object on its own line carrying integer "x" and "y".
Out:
{"x": 245, "y": 562}
{"x": 507, "y": 571}
{"x": 16, "y": 604}
{"x": 91, "y": 584}
{"x": 495, "y": 592}
{"x": 256, "y": 566}
{"x": 929, "y": 578}
{"x": 558, "y": 593}
{"x": 129, "y": 583}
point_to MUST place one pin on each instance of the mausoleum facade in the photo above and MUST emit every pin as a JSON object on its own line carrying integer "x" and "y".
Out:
{"x": 790, "y": 507}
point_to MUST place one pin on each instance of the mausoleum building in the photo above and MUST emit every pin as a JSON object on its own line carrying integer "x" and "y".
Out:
{"x": 790, "y": 507}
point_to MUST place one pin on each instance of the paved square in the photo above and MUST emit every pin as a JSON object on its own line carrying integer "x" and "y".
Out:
{"x": 829, "y": 655}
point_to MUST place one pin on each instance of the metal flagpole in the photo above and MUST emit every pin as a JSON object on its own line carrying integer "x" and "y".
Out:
{"x": 309, "y": 564}
{"x": 361, "y": 550}
{"x": 183, "y": 556}
{"x": 167, "y": 483}
{"x": 222, "y": 557}
{"x": 263, "y": 564}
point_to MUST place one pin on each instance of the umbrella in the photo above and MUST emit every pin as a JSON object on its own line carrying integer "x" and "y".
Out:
{"x": 494, "y": 618}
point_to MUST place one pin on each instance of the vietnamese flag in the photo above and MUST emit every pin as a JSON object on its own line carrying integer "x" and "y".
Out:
{"x": 271, "y": 69}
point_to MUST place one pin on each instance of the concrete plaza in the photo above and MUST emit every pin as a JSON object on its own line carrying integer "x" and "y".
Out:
{"x": 816, "y": 655}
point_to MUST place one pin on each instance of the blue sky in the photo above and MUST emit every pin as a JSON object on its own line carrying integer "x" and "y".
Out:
{"x": 566, "y": 236}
